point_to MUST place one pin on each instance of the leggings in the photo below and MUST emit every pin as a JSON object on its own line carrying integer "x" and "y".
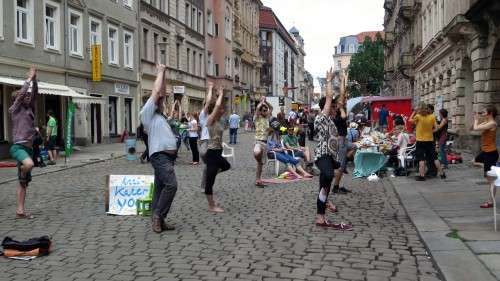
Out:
{"x": 327, "y": 167}
{"x": 215, "y": 164}
{"x": 193, "y": 144}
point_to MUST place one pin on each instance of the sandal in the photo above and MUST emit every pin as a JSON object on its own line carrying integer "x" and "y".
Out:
{"x": 325, "y": 223}
{"x": 24, "y": 216}
{"x": 260, "y": 184}
{"x": 342, "y": 226}
{"x": 486, "y": 205}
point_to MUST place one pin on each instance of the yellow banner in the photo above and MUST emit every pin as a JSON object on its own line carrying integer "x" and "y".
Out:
{"x": 237, "y": 100}
{"x": 96, "y": 62}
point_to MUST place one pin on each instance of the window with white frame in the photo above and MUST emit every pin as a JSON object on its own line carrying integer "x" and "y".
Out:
{"x": 210, "y": 23}
{"x": 24, "y": 21}
{"x": 199, "y": 26}
{"x": 51, "y": 28}
{"x": 193, "y": 18}
{"x": 128, "y": 49}
{"x": 112, "y": 45}
{"x": 187, "y": 11}
{"x": 75, "y": 33}
{"x": 228, "y": 66}
{"x": 227, "y": 24}
{"x": 128, "y": 3}
{"x": 210, "y": 64}
{"x": 95, "y": 32}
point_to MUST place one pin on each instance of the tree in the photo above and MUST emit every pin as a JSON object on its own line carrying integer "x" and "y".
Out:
{"x": 366, "y": 70}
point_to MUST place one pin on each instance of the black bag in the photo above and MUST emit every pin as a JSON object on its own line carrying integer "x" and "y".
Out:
{"x": 43, "y": 243}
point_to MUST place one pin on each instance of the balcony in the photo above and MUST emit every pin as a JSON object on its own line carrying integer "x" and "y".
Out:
{"x": 406, "y": 60}
{"x": 407, "y": 9}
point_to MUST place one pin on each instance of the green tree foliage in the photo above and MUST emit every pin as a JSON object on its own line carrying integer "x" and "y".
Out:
{"x": 366, "y": 70}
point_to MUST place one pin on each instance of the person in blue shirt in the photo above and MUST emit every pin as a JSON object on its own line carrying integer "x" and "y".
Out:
{"x": 382, "y": 118}
{"x": 293, "y": 164}
{"x": 234, "y": 124}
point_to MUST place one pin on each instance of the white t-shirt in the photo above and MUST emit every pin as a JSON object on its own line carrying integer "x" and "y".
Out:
{"x": 203, "y": 123}
{"x": 192, "y": 125}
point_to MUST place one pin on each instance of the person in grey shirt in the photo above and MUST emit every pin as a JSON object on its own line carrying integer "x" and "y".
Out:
{"x": 162, "y": 151}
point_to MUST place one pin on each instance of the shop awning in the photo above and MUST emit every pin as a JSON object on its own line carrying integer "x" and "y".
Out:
{"x": 54, "y": 89}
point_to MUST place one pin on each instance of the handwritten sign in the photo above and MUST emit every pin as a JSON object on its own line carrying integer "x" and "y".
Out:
{"x": 124, "y": 190}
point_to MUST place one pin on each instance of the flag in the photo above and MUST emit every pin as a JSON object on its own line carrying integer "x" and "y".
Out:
{"x": 68, "y": 143}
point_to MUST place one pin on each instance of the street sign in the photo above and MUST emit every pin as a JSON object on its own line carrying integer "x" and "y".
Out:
{"x": 96, "y": 62}
{"x": 179, "y": 89}
{"x": 123, "y": 89}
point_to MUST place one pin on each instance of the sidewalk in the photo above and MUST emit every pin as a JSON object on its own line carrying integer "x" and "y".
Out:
{"x": 81, "y": 156}
{"x": 440, "y": 207}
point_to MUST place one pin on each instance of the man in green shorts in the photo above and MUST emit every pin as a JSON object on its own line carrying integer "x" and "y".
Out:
{"x": 23, "y": 130}
{"x": 51, "y": 137}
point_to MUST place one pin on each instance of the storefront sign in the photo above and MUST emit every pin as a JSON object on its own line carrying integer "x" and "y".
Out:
{"x": 96, "y": 62}
{"x": 237, "y": 100}
{"x": 123, "y": 192}
{"x": 122, "y": 89}
{"x": 179, "y": 89}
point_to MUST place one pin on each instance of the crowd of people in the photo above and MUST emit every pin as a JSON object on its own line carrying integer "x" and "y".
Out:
{"x": 338, "y": 133}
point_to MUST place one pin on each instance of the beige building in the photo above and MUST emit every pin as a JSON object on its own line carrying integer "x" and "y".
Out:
{"x": 173, "y": 33}
{"x": 246, "y": 59}
{"x": 445, "y": 53}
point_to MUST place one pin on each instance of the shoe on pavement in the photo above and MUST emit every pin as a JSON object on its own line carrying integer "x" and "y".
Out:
{"x": 341, "y": 190}
{"x": 156, "y": 225}
{"x": 51, "y": 162}
{"x": 419, "y": 178}
{"x": 166, "y": 226}
{"x": 342, "y": 226}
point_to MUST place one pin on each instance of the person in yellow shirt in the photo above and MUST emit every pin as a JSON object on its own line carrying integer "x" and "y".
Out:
{"x": 426, "y": 125}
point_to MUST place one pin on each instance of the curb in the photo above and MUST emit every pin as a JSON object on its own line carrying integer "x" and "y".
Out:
{"x": 452, "y": 257}
{"x": 66, "y": 168}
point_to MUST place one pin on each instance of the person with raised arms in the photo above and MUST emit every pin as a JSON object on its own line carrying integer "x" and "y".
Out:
{"x": 263, "y": 112}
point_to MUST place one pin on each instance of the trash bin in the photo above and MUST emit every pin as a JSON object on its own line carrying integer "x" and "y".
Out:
{"x": 130, "y": 149}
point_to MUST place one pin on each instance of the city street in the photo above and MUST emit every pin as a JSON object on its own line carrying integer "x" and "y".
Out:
{"x": 265, "y": 234}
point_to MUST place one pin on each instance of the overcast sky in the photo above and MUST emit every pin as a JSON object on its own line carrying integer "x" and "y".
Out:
{"x": 322, "y": 22}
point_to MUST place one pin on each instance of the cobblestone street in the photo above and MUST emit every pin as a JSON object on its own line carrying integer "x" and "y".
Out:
{"x": 265, "y": 234}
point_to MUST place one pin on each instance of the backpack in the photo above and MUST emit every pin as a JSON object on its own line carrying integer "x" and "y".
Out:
{"x": 39, "y": 246}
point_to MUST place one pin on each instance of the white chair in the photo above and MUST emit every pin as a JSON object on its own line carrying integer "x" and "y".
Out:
{"x": 406, "y": 156}
{"x": 495, "y": 183}
{"x": 228, "y": 152}
{"x": 274, "y": 160}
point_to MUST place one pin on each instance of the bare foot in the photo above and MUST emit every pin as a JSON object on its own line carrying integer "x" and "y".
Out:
{"x": 215, "y": 209}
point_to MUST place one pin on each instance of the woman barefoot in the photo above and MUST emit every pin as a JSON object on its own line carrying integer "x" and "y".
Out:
{"x": 215, "y": 162}
{"x": 262, "y": 114}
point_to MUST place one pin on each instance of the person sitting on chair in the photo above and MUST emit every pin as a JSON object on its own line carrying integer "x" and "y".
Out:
{"x": 292, "y": 164}
{"x": 291, "y": 141}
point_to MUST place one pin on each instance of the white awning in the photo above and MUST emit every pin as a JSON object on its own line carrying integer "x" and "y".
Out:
{"x": 54, "y": 89}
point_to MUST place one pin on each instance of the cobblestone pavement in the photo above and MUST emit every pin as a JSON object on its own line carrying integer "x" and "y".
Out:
{"x": 265, "y": 234}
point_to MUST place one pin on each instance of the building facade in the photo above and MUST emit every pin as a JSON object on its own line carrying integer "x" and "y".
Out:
{"x": 219, "y": 50}
{"x": 246, "y": 57}
{"x": 173, "y": 33}
{"x": 301, "y": 71}
{"x": 56, "y": 36}
{"x": 277, "y": 49}
{"x": 445, "y": 53}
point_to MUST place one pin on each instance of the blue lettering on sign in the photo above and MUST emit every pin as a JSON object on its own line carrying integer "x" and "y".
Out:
{"x": 126, "y": 196}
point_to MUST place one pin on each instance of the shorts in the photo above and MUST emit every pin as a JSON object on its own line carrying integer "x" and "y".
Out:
{"x": 425, "y": 151}
{"x": 298, "y": 153}
{"x": 488, "y": 159}
{"x": 21, "y": 153}
{"x": 51, "y": 145}
{"x": 262, "y": 146}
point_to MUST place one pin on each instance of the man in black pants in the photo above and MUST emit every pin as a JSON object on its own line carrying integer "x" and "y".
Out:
{"x": 325, "y": 155}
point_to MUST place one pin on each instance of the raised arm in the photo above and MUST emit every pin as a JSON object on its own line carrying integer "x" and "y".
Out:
{"x": 483, "y": 126}
{"x": 261, "y": 103}
{"x": 23, "y": 97}
{"x": 329, "y": 92}
{"x": 158, "y": 93}
{"x": 208, "y": 98}
{"x": 216, "y": 113}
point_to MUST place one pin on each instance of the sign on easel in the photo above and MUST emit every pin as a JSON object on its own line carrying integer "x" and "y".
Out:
{"x": 124, "y": 190}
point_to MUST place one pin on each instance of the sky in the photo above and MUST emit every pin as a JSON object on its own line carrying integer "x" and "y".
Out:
{"x": 322, "y": 22}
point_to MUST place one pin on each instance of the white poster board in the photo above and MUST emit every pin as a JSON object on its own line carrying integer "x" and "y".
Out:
{"x": 124, "y": 190}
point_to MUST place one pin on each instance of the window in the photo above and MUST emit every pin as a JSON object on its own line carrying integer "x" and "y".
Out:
{"x": 210, "y": 23}
{"x": 95, "y": 34}
{"x": 145, "y": 40}
{"x": 128, "y": 49}
{"x": 112, "y": 116}
{"x": 24, "y": 21}
{"x": 128, "y": 3}
{"x": 188, "y": 65}
{"x": 155, "y": 47}
{"x": 75, "y": 33}
{"x": 161, "y": 5}
{"x": 216, "y": 30}
{"x": 1, "y": 37}
{"x": 217, "y": 69}
{"x": 178, "y": 55}
{"x": 112, "y": 45}
{"x": 210, "y": 64}
{"x": 199, "y": 26}
{"x": 200, "y": 67}
{"x": 351, "y": 48}
{"x": 163, "y": 52}
{"x": 187, "y": 20}
{"x": 227, "y": 24}
{"x": 227, "y": 66}
{"x": 194, "y": 63}
{"x": 193, "y": 18}
{"x": 51, "y": 27}
{"x": 177, "y": 9}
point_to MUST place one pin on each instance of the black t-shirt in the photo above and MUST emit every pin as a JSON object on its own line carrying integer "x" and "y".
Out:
{"x": 341, "y": 124}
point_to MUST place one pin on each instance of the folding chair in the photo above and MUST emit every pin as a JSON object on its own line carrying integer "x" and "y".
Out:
{"x": 228, "y": 152}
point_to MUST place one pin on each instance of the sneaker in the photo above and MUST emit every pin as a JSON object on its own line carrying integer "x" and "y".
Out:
{"x": 419, "y": 178}
{"x": 443, "y": 176}
{"x": 51, "y": 162}
{"x": 342, "y": 226}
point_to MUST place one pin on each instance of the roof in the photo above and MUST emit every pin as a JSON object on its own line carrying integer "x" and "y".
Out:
{"x": 294, "y": 30}
{"x": 372, "y": 34}
{"x": 268, "y": 19}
